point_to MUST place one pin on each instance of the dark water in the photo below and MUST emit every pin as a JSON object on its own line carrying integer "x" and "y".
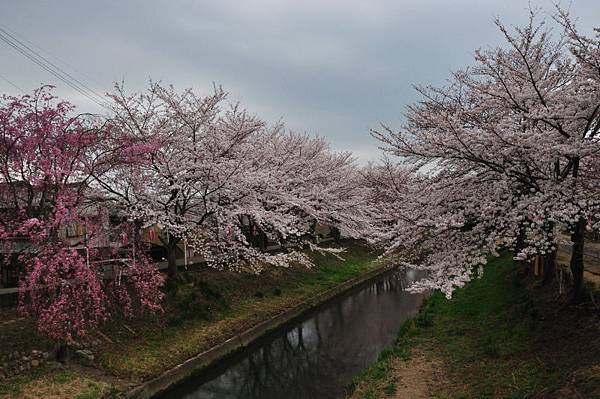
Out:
{"x": 317, "y": 356}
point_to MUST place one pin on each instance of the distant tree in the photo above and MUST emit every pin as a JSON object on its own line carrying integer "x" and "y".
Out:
{"x": 306, "y": 182}
{"x": 437, "y": 223}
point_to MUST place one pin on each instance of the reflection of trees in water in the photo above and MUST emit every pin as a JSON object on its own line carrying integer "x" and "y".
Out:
{"x": 270, "y": 371}
{"x": 317, "y": 357}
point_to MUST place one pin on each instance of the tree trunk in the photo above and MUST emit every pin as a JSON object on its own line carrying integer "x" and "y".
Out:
{"x": 549, "y": 267}
{"x": 62, "y": 353}
{"x": 171, "y": 248}
{"x": 336, "y": 234}
{"x": 577, "y": 237}
{"x": 137, "y": 236}
{"x": 523, "y": 265}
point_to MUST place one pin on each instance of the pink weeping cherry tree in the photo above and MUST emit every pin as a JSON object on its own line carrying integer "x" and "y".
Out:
{"x": 48, "y": 156}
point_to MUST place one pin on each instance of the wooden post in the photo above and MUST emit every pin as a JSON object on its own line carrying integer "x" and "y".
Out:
{"x": 185, "y": 253}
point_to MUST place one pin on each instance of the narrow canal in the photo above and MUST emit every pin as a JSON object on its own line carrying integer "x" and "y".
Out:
{"x": 317, "y": 356}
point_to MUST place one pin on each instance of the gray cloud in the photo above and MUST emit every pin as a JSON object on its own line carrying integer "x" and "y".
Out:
{"x": 336, "y": 68}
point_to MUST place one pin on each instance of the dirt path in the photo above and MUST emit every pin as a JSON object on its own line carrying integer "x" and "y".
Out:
{"x": 419, "y": 377}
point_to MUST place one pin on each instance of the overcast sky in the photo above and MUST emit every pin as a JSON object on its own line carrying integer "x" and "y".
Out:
{"x": 333, "y": 68}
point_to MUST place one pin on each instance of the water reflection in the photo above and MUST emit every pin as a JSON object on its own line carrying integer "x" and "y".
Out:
{"x": 318, "y": 356}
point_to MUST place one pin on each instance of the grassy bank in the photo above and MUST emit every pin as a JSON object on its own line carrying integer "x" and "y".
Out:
{"x": 205, "y": 308}
{"x": 500, "y": 337}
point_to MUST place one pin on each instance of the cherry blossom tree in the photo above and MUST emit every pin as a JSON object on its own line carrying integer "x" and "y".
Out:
{"x": 195, "y": 169}
{"x": 46, "y": 157}
{"x": 217, "y": 170}
{"x": 434, "y": 222}
{"x": 513, "y": 141}
{"x": 303, "y": 180}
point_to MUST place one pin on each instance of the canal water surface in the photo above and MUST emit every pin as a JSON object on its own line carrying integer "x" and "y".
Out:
{"x": 316, "y": 356}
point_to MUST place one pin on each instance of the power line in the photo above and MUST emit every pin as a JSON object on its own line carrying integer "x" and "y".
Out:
{"x": 82, "y": 74}
{"x": 50, "y": 67}
{"x": 48, "y": 62}
{"x": 46, "y": 65}
{"x": 47, "y": 68}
